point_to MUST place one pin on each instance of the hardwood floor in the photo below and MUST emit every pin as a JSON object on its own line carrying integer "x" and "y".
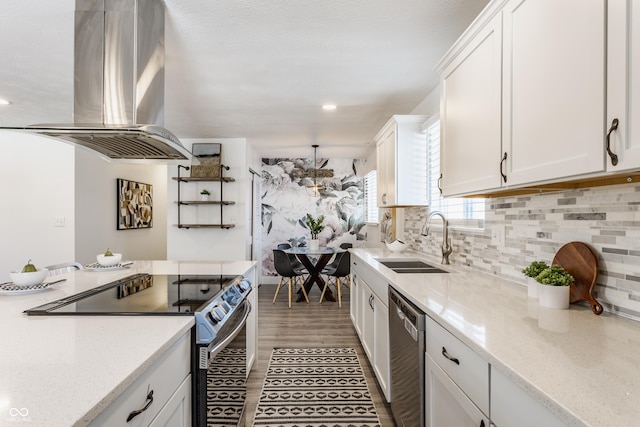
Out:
{"x": 306, "y": 325}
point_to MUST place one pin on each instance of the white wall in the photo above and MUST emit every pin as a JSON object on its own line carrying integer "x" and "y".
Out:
{"x": 96, "y": 209}
{"x": 213, "y": 243}
{"x": 36, "y": 185}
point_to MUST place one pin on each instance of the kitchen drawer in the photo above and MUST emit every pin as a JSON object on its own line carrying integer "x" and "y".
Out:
{"x": 163, "y": 377}
{"x": 468, "y": 370}
{"x": 376, "y": 283}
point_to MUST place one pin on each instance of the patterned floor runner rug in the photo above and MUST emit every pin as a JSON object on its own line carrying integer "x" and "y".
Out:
{"x": 315, "y": 387}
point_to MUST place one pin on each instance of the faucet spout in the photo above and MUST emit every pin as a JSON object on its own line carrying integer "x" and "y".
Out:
{"x": 446, "y": 240}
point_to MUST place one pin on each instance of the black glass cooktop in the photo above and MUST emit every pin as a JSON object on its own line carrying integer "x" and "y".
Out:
{"x": 141, "y": 294}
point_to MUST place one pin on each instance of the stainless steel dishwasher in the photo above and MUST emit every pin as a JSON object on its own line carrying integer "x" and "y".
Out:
{"x": 407, "y": 347}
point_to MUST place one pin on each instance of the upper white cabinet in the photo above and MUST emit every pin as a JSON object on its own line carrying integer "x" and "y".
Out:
{"x": 470, "y": 114}
{"x": 524, "y": 95}
{"x": 401, "y": 153}
{"x": 623, "y": 85}
{"x": 553, "y": 88}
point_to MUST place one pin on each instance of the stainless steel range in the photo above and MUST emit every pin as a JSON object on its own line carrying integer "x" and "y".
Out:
{"x": 220, "y": 307}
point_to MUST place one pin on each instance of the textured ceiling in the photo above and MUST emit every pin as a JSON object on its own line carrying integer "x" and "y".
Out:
{"x": 253, "y": 69}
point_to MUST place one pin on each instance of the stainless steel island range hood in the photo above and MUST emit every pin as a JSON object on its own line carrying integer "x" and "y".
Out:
{"x": 119, "y": 83}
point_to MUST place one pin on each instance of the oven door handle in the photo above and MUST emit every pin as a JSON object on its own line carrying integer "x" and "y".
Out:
{"x": 226, "y": 339}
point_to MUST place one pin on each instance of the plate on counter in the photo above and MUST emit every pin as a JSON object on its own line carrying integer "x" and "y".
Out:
{"x": 97, "y": 267}
{"x": 10, "y": 289}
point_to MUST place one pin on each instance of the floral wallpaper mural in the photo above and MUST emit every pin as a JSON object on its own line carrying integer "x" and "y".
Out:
{"x": 286, "y": 202}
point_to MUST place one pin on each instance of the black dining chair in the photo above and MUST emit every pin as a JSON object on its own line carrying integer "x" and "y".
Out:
{"x": 334, "y": 264}
{"x": 341, "y": 270}
{"x": 295, "y": 262}
{"x": 285, "y": 270}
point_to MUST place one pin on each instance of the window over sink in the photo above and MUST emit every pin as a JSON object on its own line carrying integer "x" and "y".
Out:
{"x": 461, "y": 212}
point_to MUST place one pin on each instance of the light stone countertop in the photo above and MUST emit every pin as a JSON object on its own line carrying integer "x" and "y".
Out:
{"x": 582, "y": 367}
{"x": 64, "y": 370}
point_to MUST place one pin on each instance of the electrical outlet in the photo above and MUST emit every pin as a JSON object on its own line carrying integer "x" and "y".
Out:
{"x": 58, "y": 221}
{"x": 497, "y": 235}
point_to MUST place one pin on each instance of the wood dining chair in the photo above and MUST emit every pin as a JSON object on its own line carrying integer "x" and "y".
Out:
{"x": 285, "y": 270}
{"x": 341, "y": 271}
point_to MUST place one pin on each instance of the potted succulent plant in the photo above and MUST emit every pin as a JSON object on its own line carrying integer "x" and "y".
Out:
{"x": 532, "y": 271}
{"x": 315, "y": 227}
{"x": 556, "y": 287}
{"x": 204, "y": 195}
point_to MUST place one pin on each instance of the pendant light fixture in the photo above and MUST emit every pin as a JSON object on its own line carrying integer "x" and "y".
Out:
{"x": 315, "y": 189}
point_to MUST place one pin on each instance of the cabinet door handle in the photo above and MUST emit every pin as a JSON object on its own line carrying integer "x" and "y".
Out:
{"x": 439, "y": 181}
{"x": 134, "y": 414}
{"x": 504, "y": 159}
{"x": 383, "y": 199}
{"x": 371, "y": 302}
{"x": 453, "y": 359}
{"x": 614, "y": 157}
{"x": 481, "y": 423}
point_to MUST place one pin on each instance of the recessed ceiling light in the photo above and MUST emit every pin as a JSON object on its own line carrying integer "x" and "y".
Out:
{"x": 4, "y": 102}
{"x": 328, "y": 107}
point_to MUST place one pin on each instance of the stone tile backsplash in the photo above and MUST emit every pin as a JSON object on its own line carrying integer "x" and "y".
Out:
{"x": 536, "y": 226}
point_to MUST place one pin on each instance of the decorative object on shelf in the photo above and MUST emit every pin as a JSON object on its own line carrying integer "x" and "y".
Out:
{"x": 555, "y": 289}
{"x": 531, "y": 272}
{"x": 135, "y": 204}
{"x": 315, "y": 189}
{"x": 221, "y": 202}
{"x": 206, "y": 160}
{"x": 204, "y": 195}
{"x": 315, "y": 226}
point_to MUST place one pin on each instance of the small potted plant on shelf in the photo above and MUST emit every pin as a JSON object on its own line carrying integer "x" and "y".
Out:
{"x": 532, "y": 271}
{"x": 315, "y": 227}
{"x": 204, "y": 195}
{"x": 555, "y": 289}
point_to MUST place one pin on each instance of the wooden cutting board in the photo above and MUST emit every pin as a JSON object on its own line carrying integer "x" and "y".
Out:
{"x": 580, "y": 261}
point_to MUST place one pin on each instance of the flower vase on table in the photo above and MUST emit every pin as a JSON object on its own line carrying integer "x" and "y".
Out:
{"x": 315, "y": 227}
{"x": 314, "y": 244}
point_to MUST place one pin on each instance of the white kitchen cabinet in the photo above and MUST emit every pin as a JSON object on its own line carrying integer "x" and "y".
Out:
{"x": 372, "y": 321}
{"x": 554, "y": 88}
{"x": 470, "y": 114}
{"x": 461, "y": 364}
{"x": 512, "y": 406}
{"x": 252, "y": 325}
{"x": 623, "y": 85}
{"x": 177, "y": 411}
{"x": 354, "y": 305}
{"x": 160, "y": 386}
{"x": 401, "y": 154}
{"x": 523, "y": 97}
{"x": 447, "y": 405}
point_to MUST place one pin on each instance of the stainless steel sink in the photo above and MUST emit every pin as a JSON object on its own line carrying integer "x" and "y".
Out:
{"x": 411, "y": 266}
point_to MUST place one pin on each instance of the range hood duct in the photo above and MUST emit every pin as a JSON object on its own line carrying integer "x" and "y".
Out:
{"x": 119, "y": 83}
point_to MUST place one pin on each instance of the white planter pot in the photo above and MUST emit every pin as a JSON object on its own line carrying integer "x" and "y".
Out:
{"x": 554, "y": 296}
{"x": 204, "y": 197}
{"x": 532, "y": 287}
{"x": 314, "y": 244}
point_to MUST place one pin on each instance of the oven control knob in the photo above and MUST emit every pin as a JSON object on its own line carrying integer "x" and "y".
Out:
{"x": 216, "y": 314}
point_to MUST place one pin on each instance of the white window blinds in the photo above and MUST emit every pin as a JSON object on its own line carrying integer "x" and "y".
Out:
{"x": 458, "y": 210}
{"x": 370, "y": 197}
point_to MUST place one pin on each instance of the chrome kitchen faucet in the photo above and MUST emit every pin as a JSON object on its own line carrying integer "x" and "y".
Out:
{"x": 446, "y": 240}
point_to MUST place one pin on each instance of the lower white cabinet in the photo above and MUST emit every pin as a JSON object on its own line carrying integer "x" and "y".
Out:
{"x": 164, "y": 386}
{"x": 371, "y": 320}
{"x": 447, "y": 405}
{"x": 512, "y": 406}
{"x": 177, "y": 411}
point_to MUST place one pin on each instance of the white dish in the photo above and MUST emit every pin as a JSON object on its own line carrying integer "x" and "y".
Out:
{"x": 397, "y": 246}
{"x": 12, "y": 289}
{"x": 23, "y": 280}
{"x": 97, "y": 267}
{"x": 108, "y": 261}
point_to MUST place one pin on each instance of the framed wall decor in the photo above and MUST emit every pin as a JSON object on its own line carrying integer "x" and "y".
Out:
{"x": 135, "y": 205}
